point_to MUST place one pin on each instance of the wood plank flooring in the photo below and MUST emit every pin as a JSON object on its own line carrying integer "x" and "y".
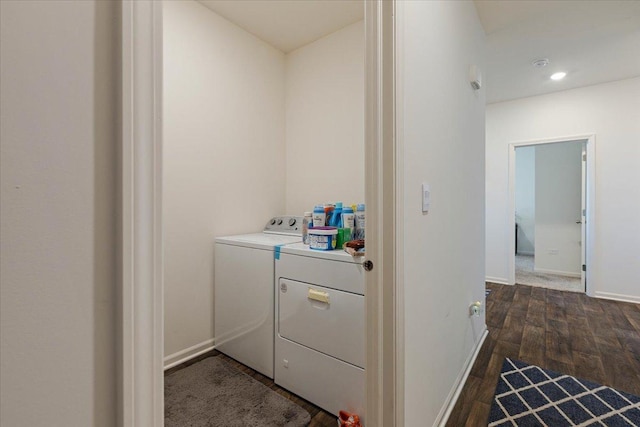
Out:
{"x": 319, "y": 417}
{"x": 568, "y": 332}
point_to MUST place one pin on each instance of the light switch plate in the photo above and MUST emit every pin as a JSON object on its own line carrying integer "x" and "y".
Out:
{"x": 426, "y": 198}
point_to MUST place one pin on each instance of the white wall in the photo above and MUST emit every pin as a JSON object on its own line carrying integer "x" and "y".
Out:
{"x": 611, "y": 112}
{"x": 525, "y": 194}
{"x": 59, "y": 65}
{"x": 325, "y": 121}
{"x": 230, "y": 158}
{"x": 443, "y": 251}
{"x": 558, "y": 196}
{"x": 224, "y": 155}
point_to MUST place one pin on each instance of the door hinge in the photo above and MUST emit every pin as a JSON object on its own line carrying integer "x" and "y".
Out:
{"x": 584, "y": 267}
{"x": 584, "y": 212}
{"x": 584, "y": 157}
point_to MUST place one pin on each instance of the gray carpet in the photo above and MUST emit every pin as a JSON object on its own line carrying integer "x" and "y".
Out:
{"x": 525, "y": 275}
{"x": 214, "y": 393}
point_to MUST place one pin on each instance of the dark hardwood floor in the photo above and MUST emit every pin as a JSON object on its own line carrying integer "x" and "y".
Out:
{"x": 319, "y": 417}
{"x": 568, "y": 332}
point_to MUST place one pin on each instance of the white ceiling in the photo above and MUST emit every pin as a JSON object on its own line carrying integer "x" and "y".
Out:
{"x": 593, "y": 41}
{"x": 289, "y": 24}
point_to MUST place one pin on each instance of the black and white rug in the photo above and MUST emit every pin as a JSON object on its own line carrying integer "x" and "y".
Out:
{"x": 527, "y": 395}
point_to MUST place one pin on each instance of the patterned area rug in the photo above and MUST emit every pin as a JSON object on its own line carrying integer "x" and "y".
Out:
{"x": 527, "y": 395}
{"x": 214, "y": 393}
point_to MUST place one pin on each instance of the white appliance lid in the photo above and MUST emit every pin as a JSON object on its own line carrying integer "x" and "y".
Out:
{"x": 258, "y": 240}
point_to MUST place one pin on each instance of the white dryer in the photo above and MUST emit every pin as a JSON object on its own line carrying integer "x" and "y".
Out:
{"x": 320, "y": 327}
{"x": 243, "y": 292}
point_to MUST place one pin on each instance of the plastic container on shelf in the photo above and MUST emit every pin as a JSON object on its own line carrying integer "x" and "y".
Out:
{"x": 319, "y": 216}
{"x": 360, "y": 222}
{"x": 323, "y": 238}
{"x": 306, "y": 221}
{"x": 349, "y": 221}
{"x": 328, "y": 209}
{"x": 336, "y": 216}
{"x": 344, "y": 235}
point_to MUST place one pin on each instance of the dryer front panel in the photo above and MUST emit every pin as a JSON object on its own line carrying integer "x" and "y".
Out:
{"x": 324, "y": 319}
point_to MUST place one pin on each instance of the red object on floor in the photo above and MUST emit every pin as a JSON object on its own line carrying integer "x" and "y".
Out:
{"x": 349, "y": 420}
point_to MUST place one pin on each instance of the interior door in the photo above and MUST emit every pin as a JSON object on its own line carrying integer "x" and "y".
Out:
{"x": 583, "y": 219}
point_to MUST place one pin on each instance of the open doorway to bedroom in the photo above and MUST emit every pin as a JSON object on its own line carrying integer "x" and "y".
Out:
{"x": 550, "y": 194}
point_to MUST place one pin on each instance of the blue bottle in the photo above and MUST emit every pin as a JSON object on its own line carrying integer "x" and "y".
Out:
{"x": 336, "y": 216}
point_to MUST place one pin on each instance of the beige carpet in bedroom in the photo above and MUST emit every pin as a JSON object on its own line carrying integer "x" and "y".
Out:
{"x": 525, "y": 275}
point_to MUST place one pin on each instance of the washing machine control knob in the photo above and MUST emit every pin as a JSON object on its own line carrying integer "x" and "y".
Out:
{"x": 273, "y": 221}
{"x": 279, "y": 221}
{"x": 292, "y": 222}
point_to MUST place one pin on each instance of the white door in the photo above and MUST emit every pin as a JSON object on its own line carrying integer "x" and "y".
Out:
{"x": 583, "y": 219}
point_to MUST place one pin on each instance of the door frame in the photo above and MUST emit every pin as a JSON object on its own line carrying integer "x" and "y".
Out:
{"x": 589, "y": 192}
{"x": 141, "y": 340}
{"x": 140, "y": 362}
{"x": 383, "y": 309}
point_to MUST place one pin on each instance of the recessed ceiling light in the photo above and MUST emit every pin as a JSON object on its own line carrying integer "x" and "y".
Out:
{"x": 558, "y": 76}
{"x": 539, "y": 63}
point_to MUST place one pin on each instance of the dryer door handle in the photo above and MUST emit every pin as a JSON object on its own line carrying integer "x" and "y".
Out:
{"x": 318, "y": 296}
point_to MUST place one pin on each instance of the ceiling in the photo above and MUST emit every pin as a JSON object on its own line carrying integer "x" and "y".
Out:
{"x": 289, "y": 24}
{"x": 593, "y": 41}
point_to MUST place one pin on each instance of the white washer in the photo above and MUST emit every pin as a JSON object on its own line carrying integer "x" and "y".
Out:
{"x": 243, "y": 289}
{"x": 320, "y": 327}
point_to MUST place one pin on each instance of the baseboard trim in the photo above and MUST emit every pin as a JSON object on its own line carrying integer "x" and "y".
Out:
{"x": 617, "y": 297}
{"x": 443, "y": 417}
{"x": 498, "y": 280}
{"x": 188, "y": 354}
{"x": 557, "y": 272}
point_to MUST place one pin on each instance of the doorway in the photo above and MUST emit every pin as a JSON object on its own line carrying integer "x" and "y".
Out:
{"x": 141, "y": 365}
{"x": 551, "y": 195}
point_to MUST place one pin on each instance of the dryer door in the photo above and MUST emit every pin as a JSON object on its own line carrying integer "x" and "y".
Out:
{"x": 324, "y": 319}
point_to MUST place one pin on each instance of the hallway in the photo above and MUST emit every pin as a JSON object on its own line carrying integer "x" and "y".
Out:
{"x": 568, "y": 332}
